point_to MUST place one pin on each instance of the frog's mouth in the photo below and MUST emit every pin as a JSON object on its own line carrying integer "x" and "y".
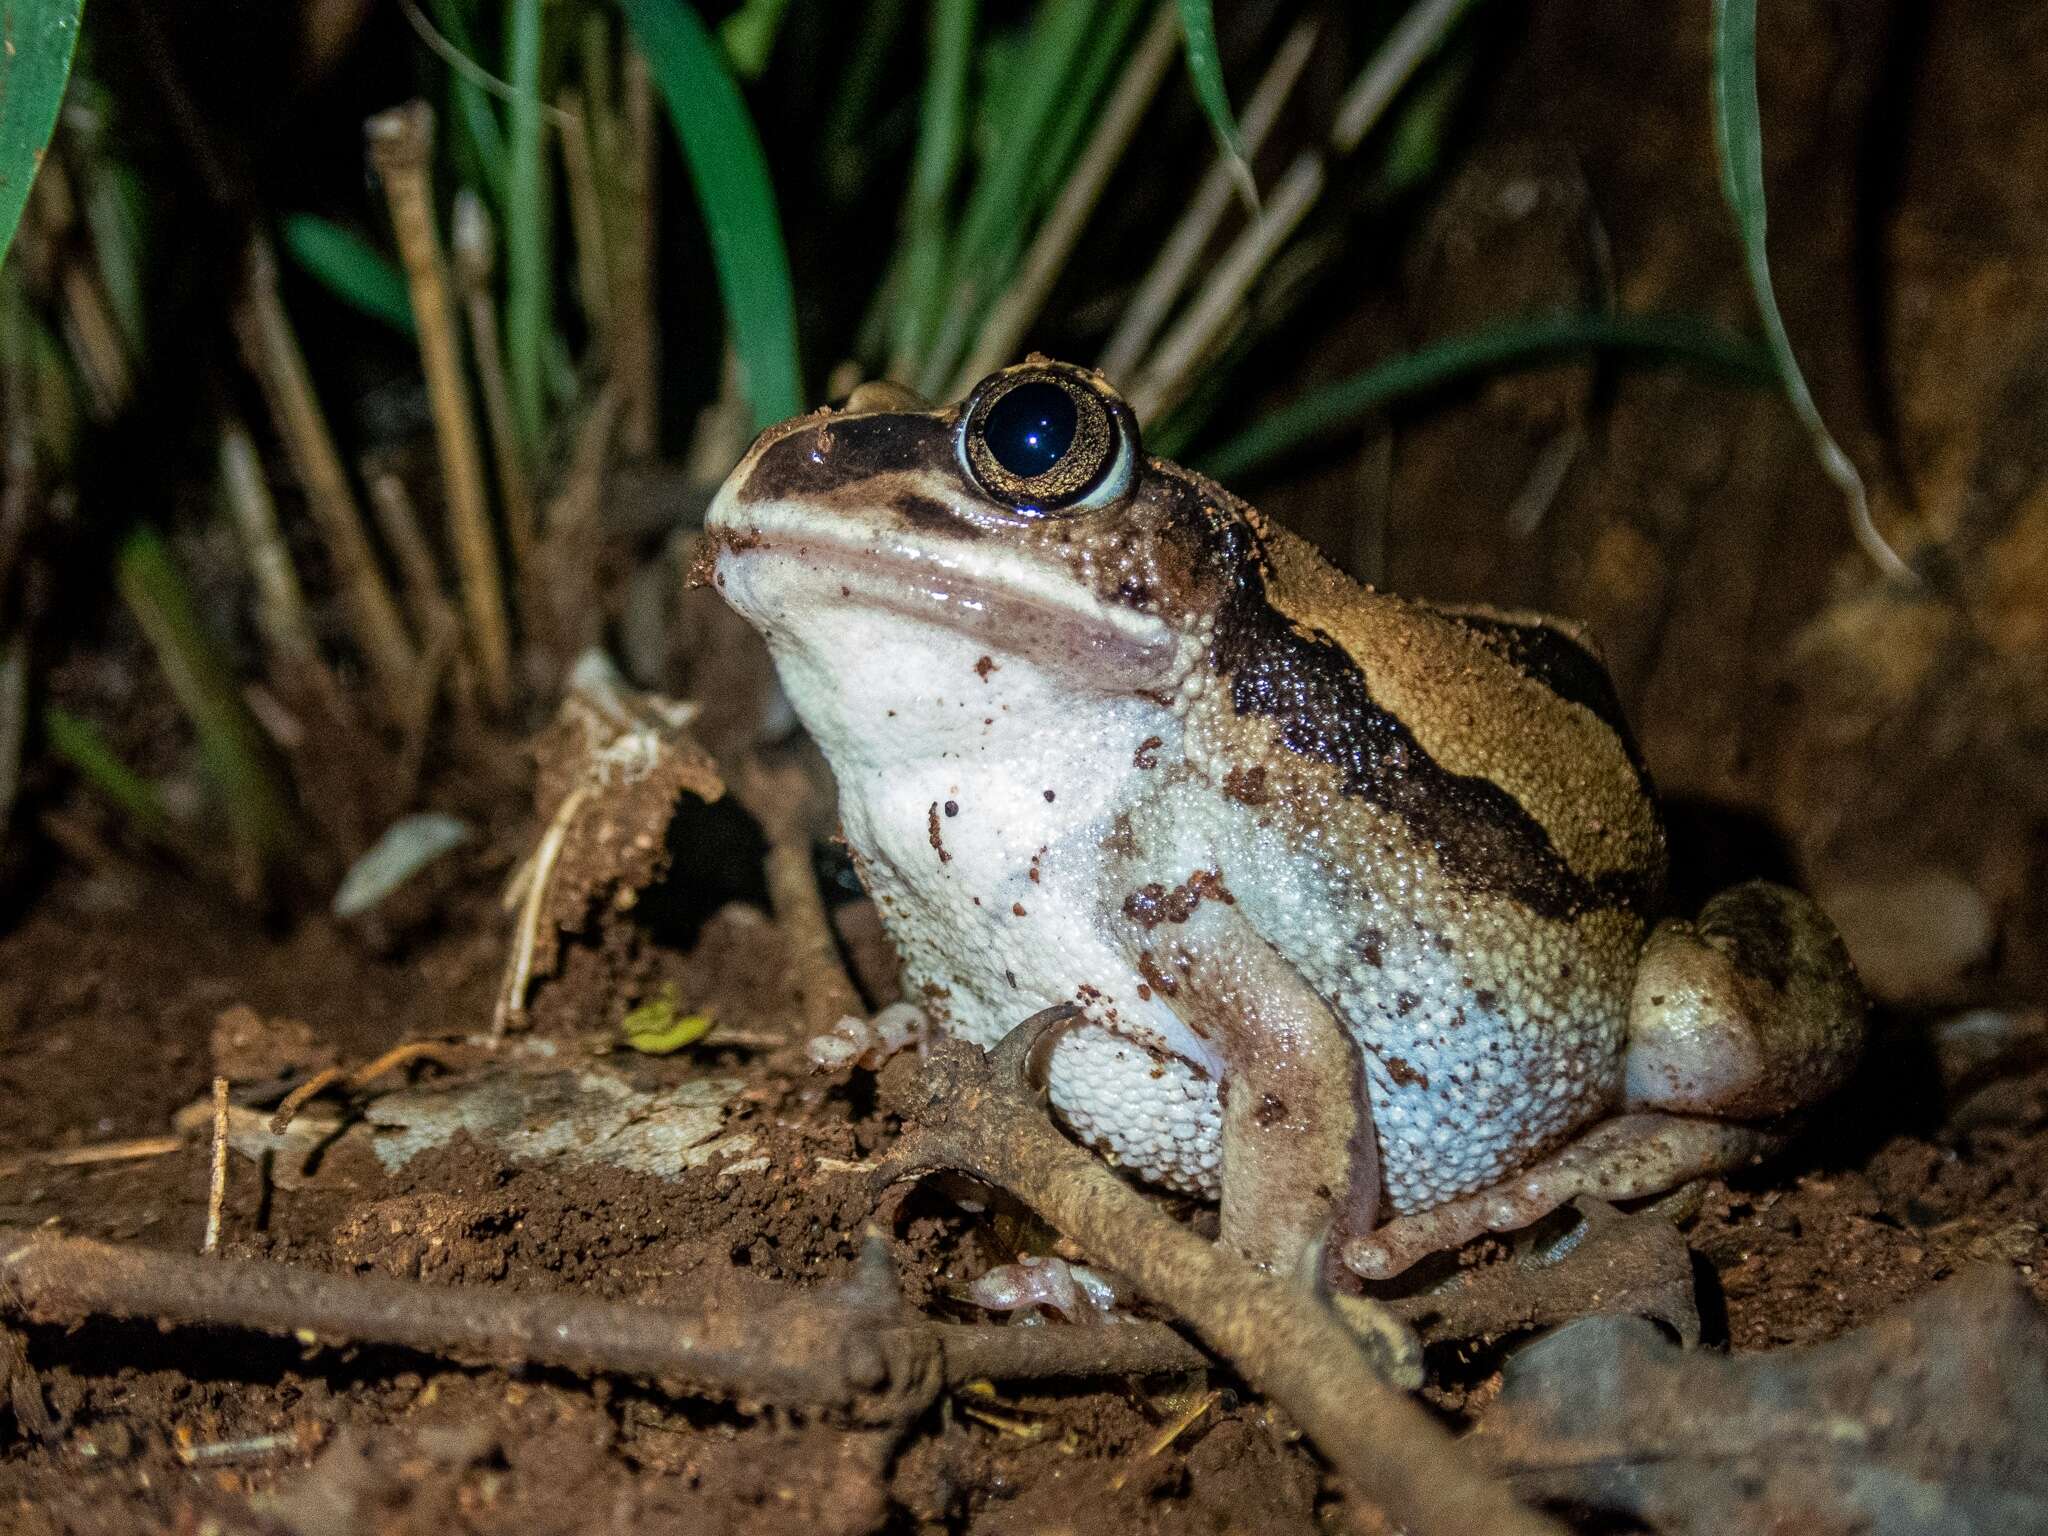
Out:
{"x": 787, "y": 566}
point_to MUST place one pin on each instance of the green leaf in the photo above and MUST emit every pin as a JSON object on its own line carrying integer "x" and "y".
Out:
{"x": 735, "y": 196}
{"x": 231, "y": 747}
{"x": 942, "y": 132}
{"x": 85, "y": 747}
{"x": 34, "y": 65}
{"x": 485, "y": 143}
{"x": 1514, "y": 344}
{"x": 1739, "y": 140}
{"x": 992, "y": 230}
{"x": 749, "y": 35}
{"x": 350, "y": 268}
{"x": 1205, "y": 68}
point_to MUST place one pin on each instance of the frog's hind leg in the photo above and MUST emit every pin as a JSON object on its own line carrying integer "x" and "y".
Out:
{"x": 1620, "y": 1159}
{"x": 1737, "y": 1020}
{"x": 1752, "y": 1011}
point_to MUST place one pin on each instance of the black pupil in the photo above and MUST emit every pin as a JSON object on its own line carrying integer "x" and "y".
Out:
{"x": 1030, "y": 428}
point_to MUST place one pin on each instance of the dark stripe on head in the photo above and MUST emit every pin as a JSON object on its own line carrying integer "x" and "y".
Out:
{"x": 1322, "y": 708}
{"x": 833, "y": 451}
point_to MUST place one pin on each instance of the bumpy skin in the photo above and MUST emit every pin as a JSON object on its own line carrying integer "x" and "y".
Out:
{"x": 1352, "y": 890}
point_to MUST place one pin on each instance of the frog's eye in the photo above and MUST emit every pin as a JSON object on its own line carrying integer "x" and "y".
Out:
{"x": 1044, "y": 440}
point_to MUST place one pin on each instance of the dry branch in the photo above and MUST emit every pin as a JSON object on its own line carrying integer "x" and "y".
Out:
{"x": 401, "y": 144}
{"x": 978, "y": 1113}
{"x": 811, "y": 1351}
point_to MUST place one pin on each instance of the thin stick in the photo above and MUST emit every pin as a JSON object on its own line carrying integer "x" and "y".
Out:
{"x": 1218, "y": 192}
{"x": 977, "y": 1113}
{"x": 779, "y": 799}
{"x": 511, "y": 1009}
{"x": 808, "y": 1351}
{"x": 217, "y": 1186}
{"x": 135, "y": 1149}
{"x": 398, "y": 520}
{"x": 586, "y": 218}
{"x": 280, "y": 602}
{"x": 574, "y": 508}
{"x": 475, "y": 255}
{"x": 1165, "y": 381}
{"x": 273, "y": 355}
{"x": 1170, "y": 374}
{"x": 1021, "y": 301}
{"x": 401, "y": 146}
{"x": 637, "y": 337}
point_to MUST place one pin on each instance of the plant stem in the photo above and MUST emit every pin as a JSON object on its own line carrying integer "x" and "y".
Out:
{"x": 636, "y": 336}
{"x": 526, "y": 274}
{"x": 273, "y": 354}
{"x": 280, "y": 604}
{"x": 473, "y": 247}
{"x": 401, "y": 144}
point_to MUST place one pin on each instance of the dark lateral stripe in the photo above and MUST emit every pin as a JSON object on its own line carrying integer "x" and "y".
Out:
{"x": 839, "y": 450}
{"x": 1320, "y": 704}
{"x": 1553, "y": 658}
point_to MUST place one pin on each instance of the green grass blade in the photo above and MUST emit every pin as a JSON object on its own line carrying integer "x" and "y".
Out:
{"x": 528, "y": 282}
{"x": 350, "y": 268}
{"x": 231, "y": 748}
{"x": 85, "y": 747}
{"x": 34, "y": 66}
{"x": 993, "y": 223}
{"x": 1205, "y": 68}
{"x": 942, "y": 134}
{"x": 749, "y": 35}
{"x": 735, "y": 196}
{"x": 485, "y": 141}
{"x": 1739, "y": 141}
{"x": 1514, "y": 344}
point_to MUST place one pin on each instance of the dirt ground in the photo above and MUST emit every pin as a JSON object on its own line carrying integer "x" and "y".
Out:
{"x": 1884, "y": 749}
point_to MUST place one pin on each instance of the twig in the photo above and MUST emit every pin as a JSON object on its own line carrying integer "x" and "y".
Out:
{"x": 529, "y": 892}
{"x": 1026, "y": 294}
{"x": 217, "y": 1185}
{"x": 401, "y": 146}
{"x": 474, "y": 257}
{"x": 779, "y": 799}
{"x": 280, "y": 602}
{"x": 133, "y": 1149}
{"x": 273, "y": 355}
{"x": 399, "y": 521}
{"x": 586, "y": 219}
{"x": 977, "y": 1113}
{"x": 1191, "y": 340}
{"x": 1218, "y": 192}
{"x": 809, "y": 1351}
{"x": 361, "y": 1077}
{"x": 1165, "y": 381}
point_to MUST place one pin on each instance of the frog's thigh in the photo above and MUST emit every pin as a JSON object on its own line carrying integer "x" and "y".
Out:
{"x": 1750, "y": 1012}
{"x": 1620, "y": 1159}
{"x": 1299, "y": 1154}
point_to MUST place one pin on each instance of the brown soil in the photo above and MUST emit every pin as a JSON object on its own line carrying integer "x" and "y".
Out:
{"x": 1696, "y": 535}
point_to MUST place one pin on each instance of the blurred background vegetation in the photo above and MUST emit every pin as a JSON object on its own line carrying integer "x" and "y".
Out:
{"x": 361, "y": 363}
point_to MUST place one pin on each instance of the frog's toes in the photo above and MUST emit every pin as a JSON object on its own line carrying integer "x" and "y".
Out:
{"x": 867, "y": 1042}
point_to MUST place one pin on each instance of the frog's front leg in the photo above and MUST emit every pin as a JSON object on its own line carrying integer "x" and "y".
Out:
{"x": 1300, "y": 1160}
{"x": 1736, "y": 1022}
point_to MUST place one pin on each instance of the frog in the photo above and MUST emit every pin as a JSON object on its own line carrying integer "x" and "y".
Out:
{"x": 1356, "y": 903}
